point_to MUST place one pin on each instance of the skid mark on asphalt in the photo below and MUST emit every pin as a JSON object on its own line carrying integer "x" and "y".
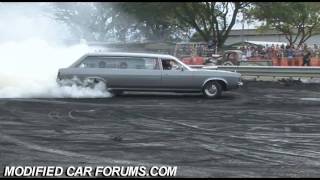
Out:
{"x": 236, "y": 153}
{"x": 252, "y": 154}
{"x": 54, "y": 115}
{"x": 79, "y": 111}
{"x": 89, "y": 158}
{"x": 259, "y": 133}
{"x": 182, "y": 170}
{"x": 94, "y": 104}
{"x": 240, "y": 99}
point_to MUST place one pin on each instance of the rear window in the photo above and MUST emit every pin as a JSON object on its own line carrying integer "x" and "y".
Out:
{"x": 119, "y": 63}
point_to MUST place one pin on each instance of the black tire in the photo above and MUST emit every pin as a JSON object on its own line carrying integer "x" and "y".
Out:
{"x": 212, "y": 89}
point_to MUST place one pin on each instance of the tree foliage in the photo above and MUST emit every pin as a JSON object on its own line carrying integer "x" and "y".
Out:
{"x": 118, "y": 20}
{"x": 94, "y": 21}
{"x": 298, "y": 21}
{"x": 81, "y": 18}
{"x": 156, "y": 21}
{"x": 211, "y": 20}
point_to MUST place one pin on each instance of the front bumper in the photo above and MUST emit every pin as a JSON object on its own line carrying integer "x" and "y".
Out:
{"x": 235, "y": 85}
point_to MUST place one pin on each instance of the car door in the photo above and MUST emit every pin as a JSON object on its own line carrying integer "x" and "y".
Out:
{"x": 176, "y": 78}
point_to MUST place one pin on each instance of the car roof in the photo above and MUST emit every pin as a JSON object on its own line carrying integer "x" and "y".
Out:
{"x": 167, "y": 56}
{"x": 130, "y": 54}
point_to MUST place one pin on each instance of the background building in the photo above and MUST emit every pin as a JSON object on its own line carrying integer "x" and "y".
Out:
{"x": 235, "y": 36}
{"x": 239, "y": 35}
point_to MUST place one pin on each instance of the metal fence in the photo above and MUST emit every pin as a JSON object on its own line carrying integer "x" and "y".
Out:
{"x": 270, "y": 71}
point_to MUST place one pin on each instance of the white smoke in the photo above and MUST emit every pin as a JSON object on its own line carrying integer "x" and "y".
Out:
{"x": 31, "y": 54}
{"x": 29, "y": 69}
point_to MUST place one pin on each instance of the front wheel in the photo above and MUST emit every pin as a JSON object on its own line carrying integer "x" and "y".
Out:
{"x": 212, "y": 89}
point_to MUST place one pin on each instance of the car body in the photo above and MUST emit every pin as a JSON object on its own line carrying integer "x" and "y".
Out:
{"x": 147, "y": 72}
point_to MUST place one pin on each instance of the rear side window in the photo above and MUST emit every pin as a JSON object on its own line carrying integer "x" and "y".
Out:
{"x": 120, "y": 63}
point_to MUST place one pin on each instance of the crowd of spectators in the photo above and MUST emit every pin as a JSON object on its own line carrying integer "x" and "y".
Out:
{"x": 274, "y": 52}
{"x": 280, "y": 51}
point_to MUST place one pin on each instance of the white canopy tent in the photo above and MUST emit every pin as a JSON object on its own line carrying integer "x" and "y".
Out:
{"x": 267, "y": 43}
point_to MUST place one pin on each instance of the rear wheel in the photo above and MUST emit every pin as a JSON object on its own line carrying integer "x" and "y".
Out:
{"x": 94, "y": 83}
{"x": 91, "y": 83}
{"x": 212, "y": 89}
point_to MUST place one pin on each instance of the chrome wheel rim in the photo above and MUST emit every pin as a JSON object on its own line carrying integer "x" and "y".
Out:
{"x": 211, "y": 90}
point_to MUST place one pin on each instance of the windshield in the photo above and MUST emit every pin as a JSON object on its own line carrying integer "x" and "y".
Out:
{"x": 182, "y": 64}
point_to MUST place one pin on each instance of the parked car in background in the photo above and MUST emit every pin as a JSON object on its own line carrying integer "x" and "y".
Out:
{"x": 237, "y": 58}
{"x": 193, "y": 53}
{"x": 148, "y": 72}
{"x": 231, "y": 58}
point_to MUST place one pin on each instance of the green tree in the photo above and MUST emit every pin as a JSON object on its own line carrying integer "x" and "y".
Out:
{"x": 298, "y": 21}
{"x": 154, "y": 20}
{"x": 95, "y": 21}
{"x": 119, "y": 20}
{"x": 212, "y": 21}
{"x": 81, "y": 19}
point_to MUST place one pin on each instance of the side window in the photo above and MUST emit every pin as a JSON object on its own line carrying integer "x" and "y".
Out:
{"x": 141, "y": 63}
{"x": 88, "y": 62}
{"x": 134, "y": 62}
{"x": 151, "y": 63}
{"x": 169, "y": 64}
{"x": 91, "y": 62}
{"x": 100, "y": 62}
{"x": 120, "y": 63}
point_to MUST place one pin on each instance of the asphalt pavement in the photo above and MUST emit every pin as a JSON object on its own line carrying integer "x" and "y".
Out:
{"x": 264, "y": 129}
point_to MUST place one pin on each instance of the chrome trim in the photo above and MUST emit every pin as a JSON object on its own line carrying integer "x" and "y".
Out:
{"x": 154, "y": 89}
{"x": 210, "y": 79}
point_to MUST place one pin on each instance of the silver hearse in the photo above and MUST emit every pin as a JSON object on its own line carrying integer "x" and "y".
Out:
{"x": 148, "y": 72}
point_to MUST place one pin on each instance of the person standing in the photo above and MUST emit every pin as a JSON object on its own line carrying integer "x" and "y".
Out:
{"x": 306, "y": 57}
{"x": 316, "y": 50}
{"x": 249, "y": 52}
{"x": 290, "y": 53}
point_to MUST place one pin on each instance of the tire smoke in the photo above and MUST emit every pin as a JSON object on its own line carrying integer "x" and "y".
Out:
{"x": 32, "y": 49}
{"x": 29, "y": 69}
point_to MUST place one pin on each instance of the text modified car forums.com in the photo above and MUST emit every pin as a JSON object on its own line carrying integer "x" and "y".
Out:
{"x": 89, "y": 171}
